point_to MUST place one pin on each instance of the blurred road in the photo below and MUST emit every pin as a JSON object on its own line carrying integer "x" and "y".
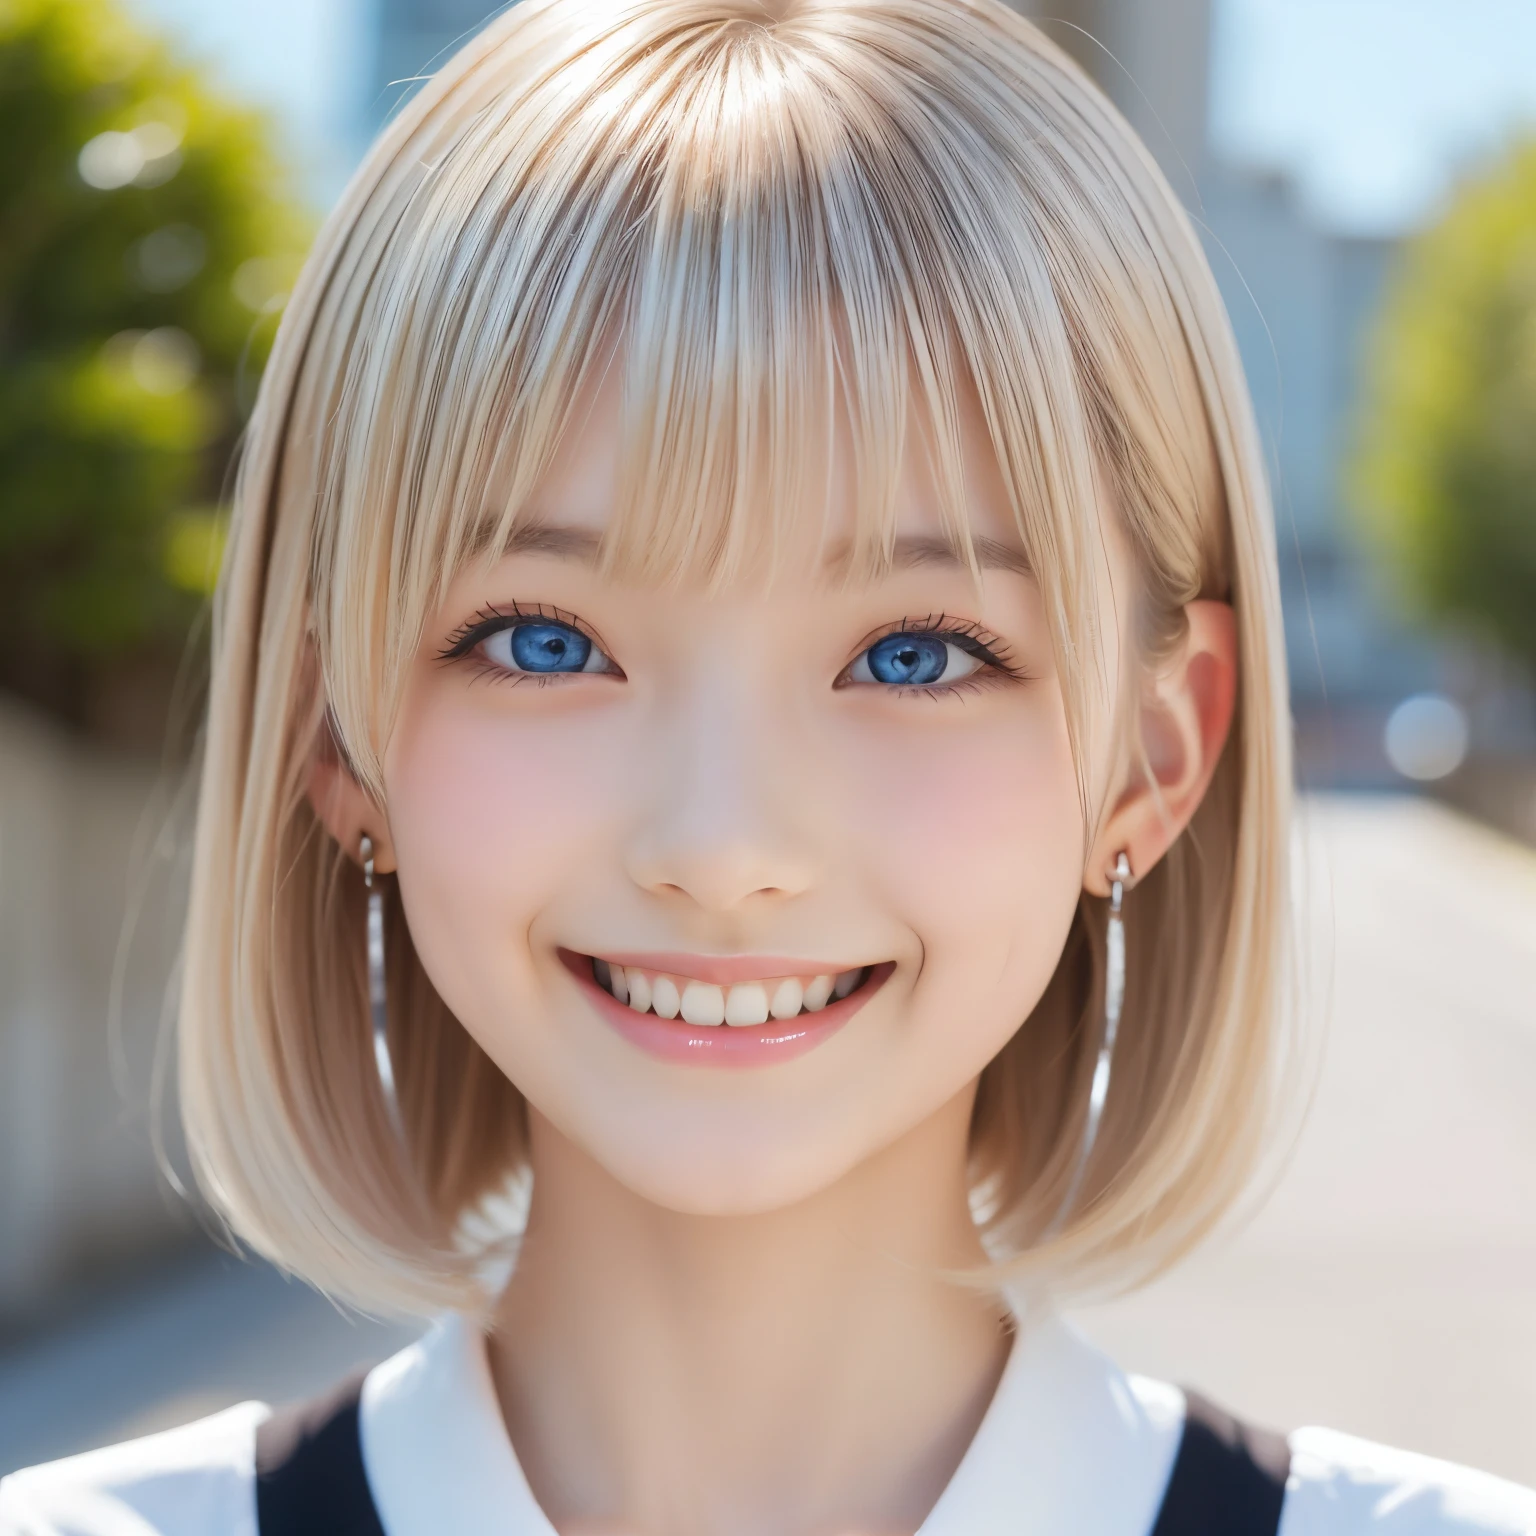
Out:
{"x": 175, "y": 1345}
{"x": 1387, "y": 1288}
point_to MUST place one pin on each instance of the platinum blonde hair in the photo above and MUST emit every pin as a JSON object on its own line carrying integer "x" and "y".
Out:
{"x": 765, "y": 217}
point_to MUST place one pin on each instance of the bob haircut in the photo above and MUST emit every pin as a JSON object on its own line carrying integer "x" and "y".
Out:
{"x": 769, "y": 218}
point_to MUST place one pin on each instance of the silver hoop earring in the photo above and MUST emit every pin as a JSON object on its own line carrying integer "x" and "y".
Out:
{"x": 378, "y": 996}
{"x": 1114, "y": 1001}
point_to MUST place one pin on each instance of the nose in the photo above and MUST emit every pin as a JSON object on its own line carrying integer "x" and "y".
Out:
{"x": 727, "y": 819}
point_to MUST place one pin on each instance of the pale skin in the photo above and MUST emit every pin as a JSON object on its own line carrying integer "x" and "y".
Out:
{"x": 728, "y": 1317}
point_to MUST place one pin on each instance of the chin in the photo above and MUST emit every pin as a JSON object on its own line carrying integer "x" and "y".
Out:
{"x": 714, "y": 1169}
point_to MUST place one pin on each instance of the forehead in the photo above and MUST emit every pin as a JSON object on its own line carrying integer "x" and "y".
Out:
{"x": 580, "y": 502}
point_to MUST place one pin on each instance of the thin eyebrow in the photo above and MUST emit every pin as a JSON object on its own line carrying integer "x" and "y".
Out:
{"x": 909, "y": 553}
{"x": 558, "y": 539}
{"x": 991, "y": 554}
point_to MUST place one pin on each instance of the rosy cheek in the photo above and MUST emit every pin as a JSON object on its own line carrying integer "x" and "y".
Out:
{"x": 975, "y": 833}
{"x": 489, "y": 812}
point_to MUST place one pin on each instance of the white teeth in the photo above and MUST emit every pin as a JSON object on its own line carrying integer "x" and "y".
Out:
{"x": 787, "y": 998}
{"x": 701, "y": 1003}
{"x": 639, "y": 985}
{"x": 745, "y": 1004}
{"x": 664, "y": 999}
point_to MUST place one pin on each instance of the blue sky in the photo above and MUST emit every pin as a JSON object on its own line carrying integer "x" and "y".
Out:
{"x": 307, "y": 61}
{"x": 1372, "y": 106}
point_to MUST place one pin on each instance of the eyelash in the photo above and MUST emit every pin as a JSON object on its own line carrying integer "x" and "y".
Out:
{"x": 1000, "y": 668}
{"x": 464, "y": 643}
{"x": 987, "y": 647}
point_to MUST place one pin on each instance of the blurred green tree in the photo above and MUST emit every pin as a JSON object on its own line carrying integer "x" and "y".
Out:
{"x": 1445, "y": 475}
{"x": 147, "y": 239}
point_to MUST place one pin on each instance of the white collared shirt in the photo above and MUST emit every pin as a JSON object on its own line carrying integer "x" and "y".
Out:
{"x": 1070, "y": 1446}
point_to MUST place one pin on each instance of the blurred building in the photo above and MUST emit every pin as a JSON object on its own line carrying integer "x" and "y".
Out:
{"x": 1302, "y": 299}
{"x": 413, "y": 38}
{"x": 91, "y": 904}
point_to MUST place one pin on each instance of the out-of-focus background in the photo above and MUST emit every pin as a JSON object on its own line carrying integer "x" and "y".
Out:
{"x": 1364, "y": 175}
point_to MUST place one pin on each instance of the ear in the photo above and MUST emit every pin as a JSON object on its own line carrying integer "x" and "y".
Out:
{"x": 1185, "y": 714}
{"x": 347, "y": 810}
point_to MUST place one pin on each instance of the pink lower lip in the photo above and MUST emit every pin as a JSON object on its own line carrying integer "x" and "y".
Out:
{"x": 723, "y": 1045}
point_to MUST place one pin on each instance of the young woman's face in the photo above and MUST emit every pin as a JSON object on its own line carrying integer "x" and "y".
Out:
{"x": 645, "y": 838}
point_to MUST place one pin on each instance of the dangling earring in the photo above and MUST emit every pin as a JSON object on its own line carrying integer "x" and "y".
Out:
{"x": 378, "y": 997}
{"x": 1114, "y": 1000}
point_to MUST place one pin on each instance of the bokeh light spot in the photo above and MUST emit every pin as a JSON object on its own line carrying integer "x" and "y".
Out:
{"x": 146, "y": 156}
{"x": 163, "y": 361}
{"x": 168, "y": 258}
{"x": 1426, "y": 737}
{"x": 110, "y": 160}
{"x": 262, "y": 283}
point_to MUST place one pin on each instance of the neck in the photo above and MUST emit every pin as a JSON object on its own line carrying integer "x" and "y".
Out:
{"x": 798, "y": 1372}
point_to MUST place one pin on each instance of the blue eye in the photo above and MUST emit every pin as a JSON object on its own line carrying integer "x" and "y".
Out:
{"x": 544, "y": 646}
{"x": 914, "y": 660}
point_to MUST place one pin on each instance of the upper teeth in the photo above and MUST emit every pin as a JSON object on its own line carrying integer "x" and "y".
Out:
{"x": 702, "y": 1002}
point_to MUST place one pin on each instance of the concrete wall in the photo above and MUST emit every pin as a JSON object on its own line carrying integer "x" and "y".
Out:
{"x": 82, "y": 998}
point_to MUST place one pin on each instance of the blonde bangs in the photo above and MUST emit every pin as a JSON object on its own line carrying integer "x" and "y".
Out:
{"x": 847, "y": 212}
{"x": 740, "y": 219}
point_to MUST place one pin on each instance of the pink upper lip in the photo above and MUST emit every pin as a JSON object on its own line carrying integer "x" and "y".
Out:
{"x": 723, "y": 970}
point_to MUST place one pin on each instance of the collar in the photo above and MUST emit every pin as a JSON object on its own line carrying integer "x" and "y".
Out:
{"x": 1070, "y": 1446}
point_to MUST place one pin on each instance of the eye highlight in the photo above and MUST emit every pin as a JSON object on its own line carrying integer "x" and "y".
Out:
{"x": 520, "y": 643}
{"x": 935, "y": 656}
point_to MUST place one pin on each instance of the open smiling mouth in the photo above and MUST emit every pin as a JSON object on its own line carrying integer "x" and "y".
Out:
{"x": 741, "y": 1004}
